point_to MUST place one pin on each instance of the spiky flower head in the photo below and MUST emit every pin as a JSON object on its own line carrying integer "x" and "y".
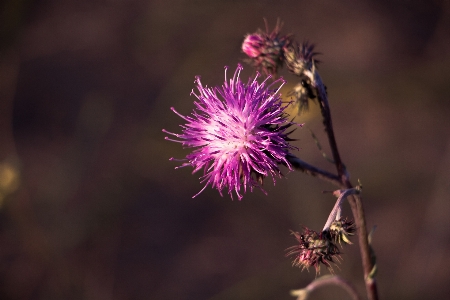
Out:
{"x": 266, "y": 50}
{"x": 300, "y": 58}
{"x": 313, "y": 249}
{"x": 239, "y": 132}
{"x": 341, "y": 230}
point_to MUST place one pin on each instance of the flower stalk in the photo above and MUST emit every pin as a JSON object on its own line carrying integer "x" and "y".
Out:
{"x": 354, "y": 199}
{"x": 336, "y": 211}
{"x": 306, "y": 168}
{"x": 303, "y": 294}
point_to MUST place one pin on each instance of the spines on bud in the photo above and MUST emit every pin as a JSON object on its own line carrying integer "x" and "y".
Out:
{"x": 266, "y": 50}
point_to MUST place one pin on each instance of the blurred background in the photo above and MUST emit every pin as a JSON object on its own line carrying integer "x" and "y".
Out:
{"x": 92, "y": 208}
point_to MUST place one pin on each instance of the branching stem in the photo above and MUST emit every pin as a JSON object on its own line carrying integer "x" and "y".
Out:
{"x": 344, "y": 182}
{"x": 306, "y": 168}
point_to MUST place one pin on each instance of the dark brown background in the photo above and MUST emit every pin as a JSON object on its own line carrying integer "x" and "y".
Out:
{"x": 93, "y": 209}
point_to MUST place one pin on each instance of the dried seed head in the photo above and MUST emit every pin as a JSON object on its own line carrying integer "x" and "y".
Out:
{"x": 341, "y": 230}
{"x": 300, "y": 58}
{"x": 313, "y": 249}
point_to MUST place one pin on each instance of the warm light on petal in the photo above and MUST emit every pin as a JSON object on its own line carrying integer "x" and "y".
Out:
{"x": 238, "y": 131}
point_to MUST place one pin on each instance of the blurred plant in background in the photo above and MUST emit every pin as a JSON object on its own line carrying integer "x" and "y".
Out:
{"x": 92, "y": 209}
{"x": 9, "y": 179}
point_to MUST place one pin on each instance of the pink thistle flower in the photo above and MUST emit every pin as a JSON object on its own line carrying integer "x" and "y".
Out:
{"x": 253, "y": 45}
{"x": 239, "y": 132}
{"x": 266, "y": 50}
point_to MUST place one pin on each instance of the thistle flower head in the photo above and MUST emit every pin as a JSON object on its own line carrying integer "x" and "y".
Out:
{"x": 266, "y": 50}
{"x": 313, "y": 249}
{"x": 300, "y": 58}
{"x": 239, "y": 132}
{"x": 340, "y": 230}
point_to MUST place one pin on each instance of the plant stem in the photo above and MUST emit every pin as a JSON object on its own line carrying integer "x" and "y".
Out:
{"x": 355, "y": 200}
{"x": 342, "y": 194}
{"x": 304, "y": 294}
{"x": 317, "y": 83}
{"x": 365, "y": 249}
{"x": 304, "y": 167}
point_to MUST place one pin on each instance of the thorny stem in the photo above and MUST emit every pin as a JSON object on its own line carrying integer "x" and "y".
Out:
{"x": 355, "y": 200}
{"x": 303, "y": 294}
{"x": 316, "y": 82}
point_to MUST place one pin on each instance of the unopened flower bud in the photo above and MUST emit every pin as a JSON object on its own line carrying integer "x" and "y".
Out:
{"x": 252, "y": 45}
{"x": 266, "y": 50}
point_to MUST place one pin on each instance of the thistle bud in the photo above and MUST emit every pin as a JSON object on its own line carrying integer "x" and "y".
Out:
{"x": 266, "y": 50}
{"x": 253, "y": 45}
